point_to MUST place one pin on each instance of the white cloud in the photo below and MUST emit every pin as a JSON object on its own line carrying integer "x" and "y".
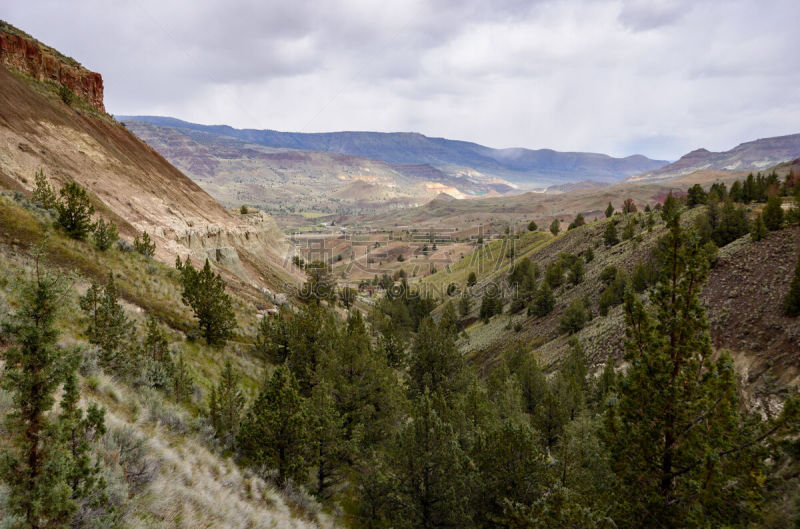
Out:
{"x": 659, "y": 77}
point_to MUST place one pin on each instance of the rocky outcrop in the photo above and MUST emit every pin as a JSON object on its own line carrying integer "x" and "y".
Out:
{"x": 27, "y": 55}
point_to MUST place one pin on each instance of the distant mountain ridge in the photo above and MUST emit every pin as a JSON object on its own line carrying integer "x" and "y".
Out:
{"x": 753, "y": 155}
{"x": 527, "y": 167}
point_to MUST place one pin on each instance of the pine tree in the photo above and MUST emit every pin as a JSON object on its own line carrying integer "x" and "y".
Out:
{"x": 543, "y": 302}
{"x": 610, "y": 237}
{"x": 107, "y": 325}
{"x": 758, "y": 230}
{"x": 574, "y": 318}
{"x": 225, "y": 405}
{"x": 35, "y": 465}
{"x": 78, "y": 431}
{"x": 682, "y": 452}
{"x": 145, "y": 245}
{"x": 670, "y": 207}
{"x": 105, "y": 235}
{"x": 43, "y": 192}
{"x": 75, "y": 211}
{"x": 204, "y": 292}
{"x": 272, "y": 340}
{"x": 276, "y": 430}
{"x": 321, "y": 284}
{"x": 609, "y": 211}
{"x": 330, "y": 452}
{"x": 555, "y": 227}
{"x": 791, "y": 302}
{"x": 429, "y": 471}
{"x": 773, "y": 213}
{"x": 435, "y": 362}
{"x": 449, "y": 320}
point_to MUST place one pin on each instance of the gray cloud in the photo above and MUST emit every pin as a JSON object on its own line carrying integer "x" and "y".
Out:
{"x": 659, "y": 77}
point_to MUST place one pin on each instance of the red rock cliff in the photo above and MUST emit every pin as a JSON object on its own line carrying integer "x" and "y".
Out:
{"x": 40, "y": 62}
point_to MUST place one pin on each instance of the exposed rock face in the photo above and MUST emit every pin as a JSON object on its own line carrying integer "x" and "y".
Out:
{"x": 45, "y": 64}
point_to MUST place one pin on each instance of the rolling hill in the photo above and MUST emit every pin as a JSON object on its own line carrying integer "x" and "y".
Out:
{"x": 756, "y": 155}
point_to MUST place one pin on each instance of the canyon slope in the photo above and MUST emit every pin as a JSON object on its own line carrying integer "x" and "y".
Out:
{"x": 755, "y": 155}
{"x": 130, "y": 182}
{"x": 526, "y": 168}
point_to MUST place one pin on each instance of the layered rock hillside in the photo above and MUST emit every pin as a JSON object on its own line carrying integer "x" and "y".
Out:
{"x": 22, "y": 52}
{"x": 131, "y": 183}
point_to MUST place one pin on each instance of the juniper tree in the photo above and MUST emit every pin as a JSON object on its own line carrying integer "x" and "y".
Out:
{"x": 758, "y": 230}
{"x": 435, "y": 362}
{"x": 204, "y": 292}
{"x": 610, "y": 237}
{"x": 105, "y": 235}
{"x": 429, "y": 474}
{"x": 35, "y": 465}
{"x": 609, "y": 211}
{"x": 272, "y": 341}
{"x": 773, "y": 213}
{"x": 78, "y": 431}
{"x": 472, "y": 279}
{"x": 532, "y": 226}
{"x": 276, "y": 431}
{"x": 107, "y": 325}
{"x": 791, "y": 302}
{"x": 43, "y": 192}
{"x": 543, "y": 302}
{"x": 465, "y": 304}
{"x": 144, "y": 245}
{"x": 555, "y": 227}
{"x": 75, "y": 211}
{"x": 682, "y": 452}
{"x": 225, "y": 404}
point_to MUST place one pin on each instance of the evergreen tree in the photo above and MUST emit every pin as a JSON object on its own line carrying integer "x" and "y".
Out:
{"x": 272, "y": 340}
{"x": 105, "y": 235}
{"x": 35, "y": 465}
{"x": 75, "y": 211}
{"x": 681, "y": 451}
{"x": 773, "y": 213}
{"x": 609, "y": 211}
{"x": 610, "y": 237}
{"x": 532, "y": 226}
{"x": 791, "y": 302}
{"x": 670, "y": 207}
{"x": 276, "y": 430}
{"x": 758, "y": 230}
{"x": 225, "y": 404}
{"x": 574, "y": 318}
{"x": 429, "y": 471}
{"x": 449, "y": 320}
{"x": 696, "y": 196}
{"x": 43, "y": 192}
{"x": 77, "y": 432}
{"x": 555, "y": 227}
{"x": 320, "y": 284}
{"x": 330, "y": 453}
{"x": 435, "y": 362}
{"x": 204, "y": 292}
{"x": 472, "y": 279}
{"x": 107, "y": 324}
{"x": 145, "y": 245}
{"x": 640, "y": 278}
{"x": 543, "y": 302}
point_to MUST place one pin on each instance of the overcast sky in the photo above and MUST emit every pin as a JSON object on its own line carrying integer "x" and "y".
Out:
{"x": 657, "y": 77}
